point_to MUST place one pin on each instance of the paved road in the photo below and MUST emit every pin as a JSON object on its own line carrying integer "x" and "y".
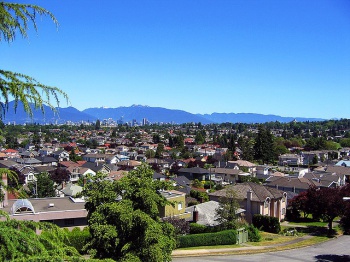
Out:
{"x": 336, "y": 250}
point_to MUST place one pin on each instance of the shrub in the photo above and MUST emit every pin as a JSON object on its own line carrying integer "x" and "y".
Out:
{"x": 227, "y": 237}
{"x": 200, "y": 196}
{"x": 192, "y": 203}
{"x": 267, "y": 223}
{"x": 200, "y": 229}
{"x": 197, "y": 228}
{"x": 344, "y": 223}
{"x": 78, "y": 238}
{"x": 209, "y": 184}
{"x": 253, "y": 233}
{"x": 181, "y": 226}
{"x": 219, "y": 187}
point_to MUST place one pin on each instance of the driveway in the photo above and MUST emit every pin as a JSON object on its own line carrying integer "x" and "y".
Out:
{"x": 335, "y": 250}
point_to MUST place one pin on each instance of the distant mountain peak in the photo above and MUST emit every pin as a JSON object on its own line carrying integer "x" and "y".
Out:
{"x": 138, "y": 112}
{"x": 136, "y": 105}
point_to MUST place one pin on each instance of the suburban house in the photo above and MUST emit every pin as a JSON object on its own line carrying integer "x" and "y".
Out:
{"x": 263, "y": 171}
{"x": 47, "y": 160}
{"x": 290, "y": 160}
{"x": 229, "y": 175}
{"x": 95, "y": 158}
{"x": 77, "y": 172}
{"x": 327, "y": 179}
{"x": 62, "y": 211}
{"x": 11, "y": 153}
{"x": 308, "y": 157}
{"x": 61, "y": 155}
{"x": 251, "y": 168}
{"x": 46, "y": 151}
{"x": 256, "y": 199}
{"x": 179, "y": 208}
{"x": 128, "y": 165}
{"x": 206, "y": 213}
{"x": 99, "y": 167}
{"x": 161, "y": 164}
{"x": 205, "y": 152}
{"x": 194, "y": 173}
{"x": 27, "y": 171}
{"x": 120, "y": 157}
{"x": 292, "y": 184}
{"x": 340, "y": 170}
{"x": 29, "y": 154}
{"x": 122, "y": 148}
{"x": 298, "y": 171}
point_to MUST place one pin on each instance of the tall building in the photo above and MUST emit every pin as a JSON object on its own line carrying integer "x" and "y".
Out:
{"x": 144, "y": 121}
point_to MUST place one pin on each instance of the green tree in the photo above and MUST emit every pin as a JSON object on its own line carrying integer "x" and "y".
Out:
{"x": 160, "y": 150}
{"x": 150, "y": 153}
{"x": 264, "y": 146}
{"x": 227, "y": 210}
{"x": 246, "y": 145}
{"x": 42, "y": 187}
{"x": 97, "y": 124}
{"x": 20, "y": 242}
{"x": 124, "y": 219}
{"x": 199, "y": 138}
{"x": 15, "y": 18}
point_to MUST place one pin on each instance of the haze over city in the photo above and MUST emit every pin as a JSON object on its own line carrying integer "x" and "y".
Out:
{"x": 290, "y": 58}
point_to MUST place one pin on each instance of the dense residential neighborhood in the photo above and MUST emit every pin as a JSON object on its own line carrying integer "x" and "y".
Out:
{"x": 263, "y": 169}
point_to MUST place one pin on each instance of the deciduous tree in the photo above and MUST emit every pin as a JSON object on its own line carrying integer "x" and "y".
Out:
{"x": 124, "y": 218}
{"x": 227, "y": 211}
{"x": 42, "y": 187}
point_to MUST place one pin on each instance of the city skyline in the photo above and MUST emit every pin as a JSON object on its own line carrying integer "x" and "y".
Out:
{"x": 285, "y": 58}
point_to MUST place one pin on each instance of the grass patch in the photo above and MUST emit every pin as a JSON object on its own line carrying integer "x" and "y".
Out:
{"x": 309, "y": 223}
{"x": 268, "y": 239}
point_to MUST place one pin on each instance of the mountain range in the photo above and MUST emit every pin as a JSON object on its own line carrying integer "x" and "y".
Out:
{"x": 137, "y": 112}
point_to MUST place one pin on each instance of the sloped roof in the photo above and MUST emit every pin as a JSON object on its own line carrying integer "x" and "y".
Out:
{"x": 182, "y": 180}
{"x": 71, "y": 189}
{"x": 194, "y": 170}
{"x": 243, "y": 163}
{"x": 207, "y": 212}
{"x": 228, "y": 171}
{"x": 291, "y": 182}
{"x": 260, "y": 192}
{"x": 339, "y": 170}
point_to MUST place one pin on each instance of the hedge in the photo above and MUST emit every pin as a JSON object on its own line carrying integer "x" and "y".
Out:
{"x": 267, "y": 223}
{"x": 200, "y": 229}
{"x": 227, "y": 237}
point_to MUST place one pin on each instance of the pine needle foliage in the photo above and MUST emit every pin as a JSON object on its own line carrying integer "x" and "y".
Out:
{"x": 21, "y": 241}
{"x": 15, "y": 19}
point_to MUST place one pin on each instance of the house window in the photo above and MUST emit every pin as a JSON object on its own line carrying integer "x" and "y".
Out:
{"x": 30, "y": 177}
{"x": 179, "y": 206}
{"x": 283, "y": 211}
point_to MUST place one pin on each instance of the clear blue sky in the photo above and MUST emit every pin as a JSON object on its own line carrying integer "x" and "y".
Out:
{"x": 290, "y": 58}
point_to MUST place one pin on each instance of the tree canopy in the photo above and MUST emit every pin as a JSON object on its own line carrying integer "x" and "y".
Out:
{"x": 227, "y": 210}
{"x": 123, "y": 217}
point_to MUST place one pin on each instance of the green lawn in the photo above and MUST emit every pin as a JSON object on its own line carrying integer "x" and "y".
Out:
{"x": 309, "y": 223}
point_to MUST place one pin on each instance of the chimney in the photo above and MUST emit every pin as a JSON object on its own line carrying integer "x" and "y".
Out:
{"x": 195, "y": 214}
